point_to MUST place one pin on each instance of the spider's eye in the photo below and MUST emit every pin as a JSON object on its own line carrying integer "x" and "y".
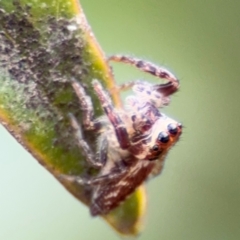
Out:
{"x": 163, "y": 137}
{"x": 155, "y": 148}
{"x": 172, "y": 128}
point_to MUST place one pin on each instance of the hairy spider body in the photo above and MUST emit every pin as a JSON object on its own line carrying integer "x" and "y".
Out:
{"x": 133, "y": 141}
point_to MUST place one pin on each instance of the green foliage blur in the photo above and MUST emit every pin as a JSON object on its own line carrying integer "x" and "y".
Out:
{"x": 198, "y": 194}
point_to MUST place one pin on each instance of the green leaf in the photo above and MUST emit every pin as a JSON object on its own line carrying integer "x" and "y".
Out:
{"x": 43, "y": 45}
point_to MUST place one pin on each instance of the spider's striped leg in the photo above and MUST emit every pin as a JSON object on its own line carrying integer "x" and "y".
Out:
{"x": 112, "y": 115}
{"x": 166, "y": 89}
{"x": 113, "y": 175}
{"x": 86, "y": 107}
{"x": 95, "y": 160}
{"x": 83, "y": 145}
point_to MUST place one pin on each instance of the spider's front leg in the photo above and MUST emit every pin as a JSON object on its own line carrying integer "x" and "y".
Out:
{"x": 165, "y": 89}
{"x": 95, "y": 160}
{"x": 113, "y": 116}
{"x": 86, "y": 107}
{"x": 121, "y": 133}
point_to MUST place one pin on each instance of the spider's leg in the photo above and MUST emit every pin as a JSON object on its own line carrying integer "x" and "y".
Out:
{"x": 166, "y": 89}
{"x": 83, "y": 145}
{"x": 113, "y": 116}
{"x": 86, "y": 107}
{"x": 114, "y": 175}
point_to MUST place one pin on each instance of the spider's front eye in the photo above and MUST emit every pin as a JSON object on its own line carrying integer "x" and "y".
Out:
{"x": 163, "y": 137}
{"x": 172, "y": 128}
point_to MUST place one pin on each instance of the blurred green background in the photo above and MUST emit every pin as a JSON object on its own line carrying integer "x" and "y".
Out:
{"x": 198, "y": 194}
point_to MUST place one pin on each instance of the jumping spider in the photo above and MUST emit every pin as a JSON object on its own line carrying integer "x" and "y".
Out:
{"x": 133, "y": 141}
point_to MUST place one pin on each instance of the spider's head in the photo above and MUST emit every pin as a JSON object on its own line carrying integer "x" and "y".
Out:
{"x": 165, "y": 133}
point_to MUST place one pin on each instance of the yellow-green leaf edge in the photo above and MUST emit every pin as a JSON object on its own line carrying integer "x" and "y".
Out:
{"x": 126, "y": 219}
